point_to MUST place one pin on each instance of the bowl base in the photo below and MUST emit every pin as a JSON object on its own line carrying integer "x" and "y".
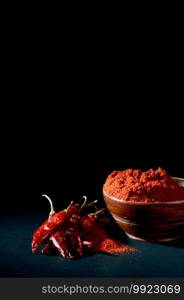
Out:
{"x": 159, "y": 240}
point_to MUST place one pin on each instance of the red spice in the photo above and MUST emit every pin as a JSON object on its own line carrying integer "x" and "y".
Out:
{"x": 102, "y": 242}
{"x": 113, "y": 247}
{"x": 137, "y": 186}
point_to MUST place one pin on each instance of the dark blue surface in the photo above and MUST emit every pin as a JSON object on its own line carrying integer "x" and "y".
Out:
{"x": 16, "y": 259}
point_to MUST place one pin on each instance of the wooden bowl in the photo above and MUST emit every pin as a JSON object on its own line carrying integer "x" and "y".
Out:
{"x": 154, "y": 222}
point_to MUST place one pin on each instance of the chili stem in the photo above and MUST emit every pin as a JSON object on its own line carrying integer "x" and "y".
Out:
{"x": 52, "y": 211}
{"x": 97, "y": 212}
{"x": 69, "y": 206}
{"x": 87, "y": 205}
{"x": 84, "y": 205}
{"x": 85, "y": 200}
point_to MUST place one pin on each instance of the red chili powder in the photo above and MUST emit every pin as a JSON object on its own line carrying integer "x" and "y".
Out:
{"x": 102, "y": 242}
{"x": 111, "y": 246}
{"x": 137, "y": 186}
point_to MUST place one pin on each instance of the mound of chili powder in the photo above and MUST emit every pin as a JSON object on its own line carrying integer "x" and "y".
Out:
{"x": 107, "y": 238}
{"x": 137, "y": 186}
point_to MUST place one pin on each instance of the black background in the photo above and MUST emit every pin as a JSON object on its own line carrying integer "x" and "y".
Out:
{"x": 75, "y": 113}
{"x": 65, "y": 147}
{"x": 82, "y": 97}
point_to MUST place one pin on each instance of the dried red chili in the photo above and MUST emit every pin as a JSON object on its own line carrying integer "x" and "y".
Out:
{"x": 51, "y": 225}
{"x": 48, "y": 248}
{"x": 74, "y": 236}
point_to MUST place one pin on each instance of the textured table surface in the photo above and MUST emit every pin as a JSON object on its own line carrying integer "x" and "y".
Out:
{"x": 16, "y": 259}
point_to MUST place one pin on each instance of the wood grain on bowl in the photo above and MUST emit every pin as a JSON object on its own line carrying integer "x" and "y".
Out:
{"x": 159, "y": 221}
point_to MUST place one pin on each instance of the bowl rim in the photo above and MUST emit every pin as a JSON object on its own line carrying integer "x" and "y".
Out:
{"x": 148, "y": 203}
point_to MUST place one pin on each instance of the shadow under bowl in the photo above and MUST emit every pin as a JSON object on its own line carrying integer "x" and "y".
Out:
{"x": 154, "y": 222}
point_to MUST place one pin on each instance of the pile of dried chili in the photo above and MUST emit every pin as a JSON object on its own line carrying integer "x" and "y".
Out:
{"x": 74, "y": 233}
{"x": 137, "y": 186}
